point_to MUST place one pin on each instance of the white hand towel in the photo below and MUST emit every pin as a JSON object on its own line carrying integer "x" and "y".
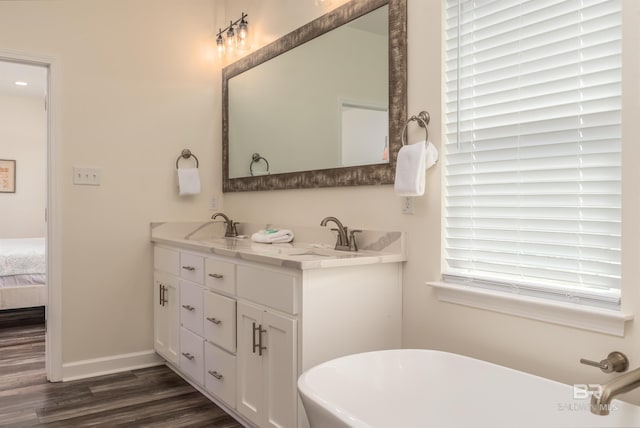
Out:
{"x": 410, "y": 170}
{"x": 431, "y": 157}
{"x": 188, "y": 181}
{"x": 271, "y": 237}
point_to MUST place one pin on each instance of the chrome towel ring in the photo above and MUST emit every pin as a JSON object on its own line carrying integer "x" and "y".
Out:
{"x": 423, "y": 119}
{"x": 257, "y": 158}
{"x": 186, "y": 154}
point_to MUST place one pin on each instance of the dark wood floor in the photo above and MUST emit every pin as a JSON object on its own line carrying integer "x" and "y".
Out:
{"x": 153, "y": 397}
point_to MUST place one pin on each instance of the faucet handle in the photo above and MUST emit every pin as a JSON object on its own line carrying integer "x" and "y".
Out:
{"x": 615, "y": 362}
{"x": 353, "y": 246}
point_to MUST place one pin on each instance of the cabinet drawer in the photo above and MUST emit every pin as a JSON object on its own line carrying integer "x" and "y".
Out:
{"x": 192, "y": 267}
{"x": 192, "y": 355}
{"x": 220, "y": 374}
{"x": 220, "y": 275}
{"x": 268, "y": 287}
{"x": 166, "y": 260}
{"x": 191, "y": 307}
{"x": 220, "y": 320}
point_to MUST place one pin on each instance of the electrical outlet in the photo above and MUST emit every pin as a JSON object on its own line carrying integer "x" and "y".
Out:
{"x": 407, "y": 205}
{"x": 90, "y": 176}
{"x": 214, "y": 203}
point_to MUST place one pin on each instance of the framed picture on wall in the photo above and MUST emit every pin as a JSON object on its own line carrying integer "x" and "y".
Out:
{"x": 7, "y": 176}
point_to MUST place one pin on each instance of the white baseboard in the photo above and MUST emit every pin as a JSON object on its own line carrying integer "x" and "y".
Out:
{"x": 108, "y": 365}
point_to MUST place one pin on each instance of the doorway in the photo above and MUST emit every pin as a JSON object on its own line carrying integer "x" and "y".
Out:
{"x": 30, "y": 227}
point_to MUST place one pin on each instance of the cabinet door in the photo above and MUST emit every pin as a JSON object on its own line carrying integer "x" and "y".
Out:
{"x": 165, "y": 323}
{"x": 280, "y": 370}
{"x": 250, "y": 391}
{"x": 267, "y": 391}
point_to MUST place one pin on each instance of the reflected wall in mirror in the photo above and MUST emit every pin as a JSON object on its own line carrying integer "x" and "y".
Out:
{"x": 322, "y": 106}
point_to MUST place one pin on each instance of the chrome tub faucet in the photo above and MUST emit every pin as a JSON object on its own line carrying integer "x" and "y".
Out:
{"x": 615, "y": 362}
{"x": 601, "y": 400}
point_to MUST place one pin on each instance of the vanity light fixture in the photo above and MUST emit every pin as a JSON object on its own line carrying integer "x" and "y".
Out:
{"x": 232, "y": 40}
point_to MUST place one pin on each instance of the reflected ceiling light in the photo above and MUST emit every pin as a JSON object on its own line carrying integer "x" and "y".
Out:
{"x": 232, "y": 40}
{"x": 20, "y": 83}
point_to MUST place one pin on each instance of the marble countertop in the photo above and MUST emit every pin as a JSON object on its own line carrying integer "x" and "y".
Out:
{"x": 312, "y": 247}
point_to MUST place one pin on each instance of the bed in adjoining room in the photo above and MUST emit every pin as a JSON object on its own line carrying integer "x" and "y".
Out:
{"x": 23, "y": 270}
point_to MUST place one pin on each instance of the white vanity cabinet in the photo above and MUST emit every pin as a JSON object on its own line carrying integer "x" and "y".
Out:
{"x": 249, "y": 326}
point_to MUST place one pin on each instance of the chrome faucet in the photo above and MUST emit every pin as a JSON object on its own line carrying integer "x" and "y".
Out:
{"x": 601, "y": 400}
{"x": 346, "y": 240}
{"x": 230, "y": 231}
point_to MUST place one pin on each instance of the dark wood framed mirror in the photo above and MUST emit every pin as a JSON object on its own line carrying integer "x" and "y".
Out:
{"x": 259, "y": 114}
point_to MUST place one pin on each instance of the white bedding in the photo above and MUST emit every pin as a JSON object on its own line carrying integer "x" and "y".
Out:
{"x": 22, "y": 262}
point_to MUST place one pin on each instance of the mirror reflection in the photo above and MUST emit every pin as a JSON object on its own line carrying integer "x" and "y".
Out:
{"x": 321, "y": 105}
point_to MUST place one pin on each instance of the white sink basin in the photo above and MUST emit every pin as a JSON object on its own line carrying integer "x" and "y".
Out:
{"x": 424, "y": 388}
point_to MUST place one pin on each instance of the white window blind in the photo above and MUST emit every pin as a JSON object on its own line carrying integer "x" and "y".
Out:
{"x": 533, "y": 146}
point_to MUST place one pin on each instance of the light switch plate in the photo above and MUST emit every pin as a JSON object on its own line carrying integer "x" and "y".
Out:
{"x": 89, "y": 176}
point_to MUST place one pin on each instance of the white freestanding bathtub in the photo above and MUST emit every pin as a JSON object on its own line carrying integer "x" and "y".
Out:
{"x": 423, "y": 388}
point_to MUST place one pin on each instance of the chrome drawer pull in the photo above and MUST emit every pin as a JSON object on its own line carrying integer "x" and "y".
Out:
{"x": 163, "y": 295}
{"x": 216, "y": 275}
{"x": 258, "y": 345}
{"x": 214, "y": 320}
{"x": 188, "y": 356}
{"x": 215, "y": 374}
{"x": 189, "y": 307}
{"x": 189, "y": 268}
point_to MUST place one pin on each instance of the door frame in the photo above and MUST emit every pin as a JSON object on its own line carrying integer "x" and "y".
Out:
{"x": 53, "y": 214}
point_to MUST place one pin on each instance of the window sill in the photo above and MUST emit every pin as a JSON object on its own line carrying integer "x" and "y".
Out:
{"x": 584, "y": 317}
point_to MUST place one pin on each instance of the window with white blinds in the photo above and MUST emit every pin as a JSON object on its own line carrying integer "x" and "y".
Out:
{"x": 533, "y": 141}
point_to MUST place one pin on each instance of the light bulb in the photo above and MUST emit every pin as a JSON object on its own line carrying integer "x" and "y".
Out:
{"x": 220, "y": 44}
{"x": 231, "y": 38}
{"x": 243, "y": 32}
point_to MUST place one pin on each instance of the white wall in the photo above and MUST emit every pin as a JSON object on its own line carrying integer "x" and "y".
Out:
{"x": 23, "y": 139}
{"x": 544, "y": 349}
{"x": 137, "y": 86}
